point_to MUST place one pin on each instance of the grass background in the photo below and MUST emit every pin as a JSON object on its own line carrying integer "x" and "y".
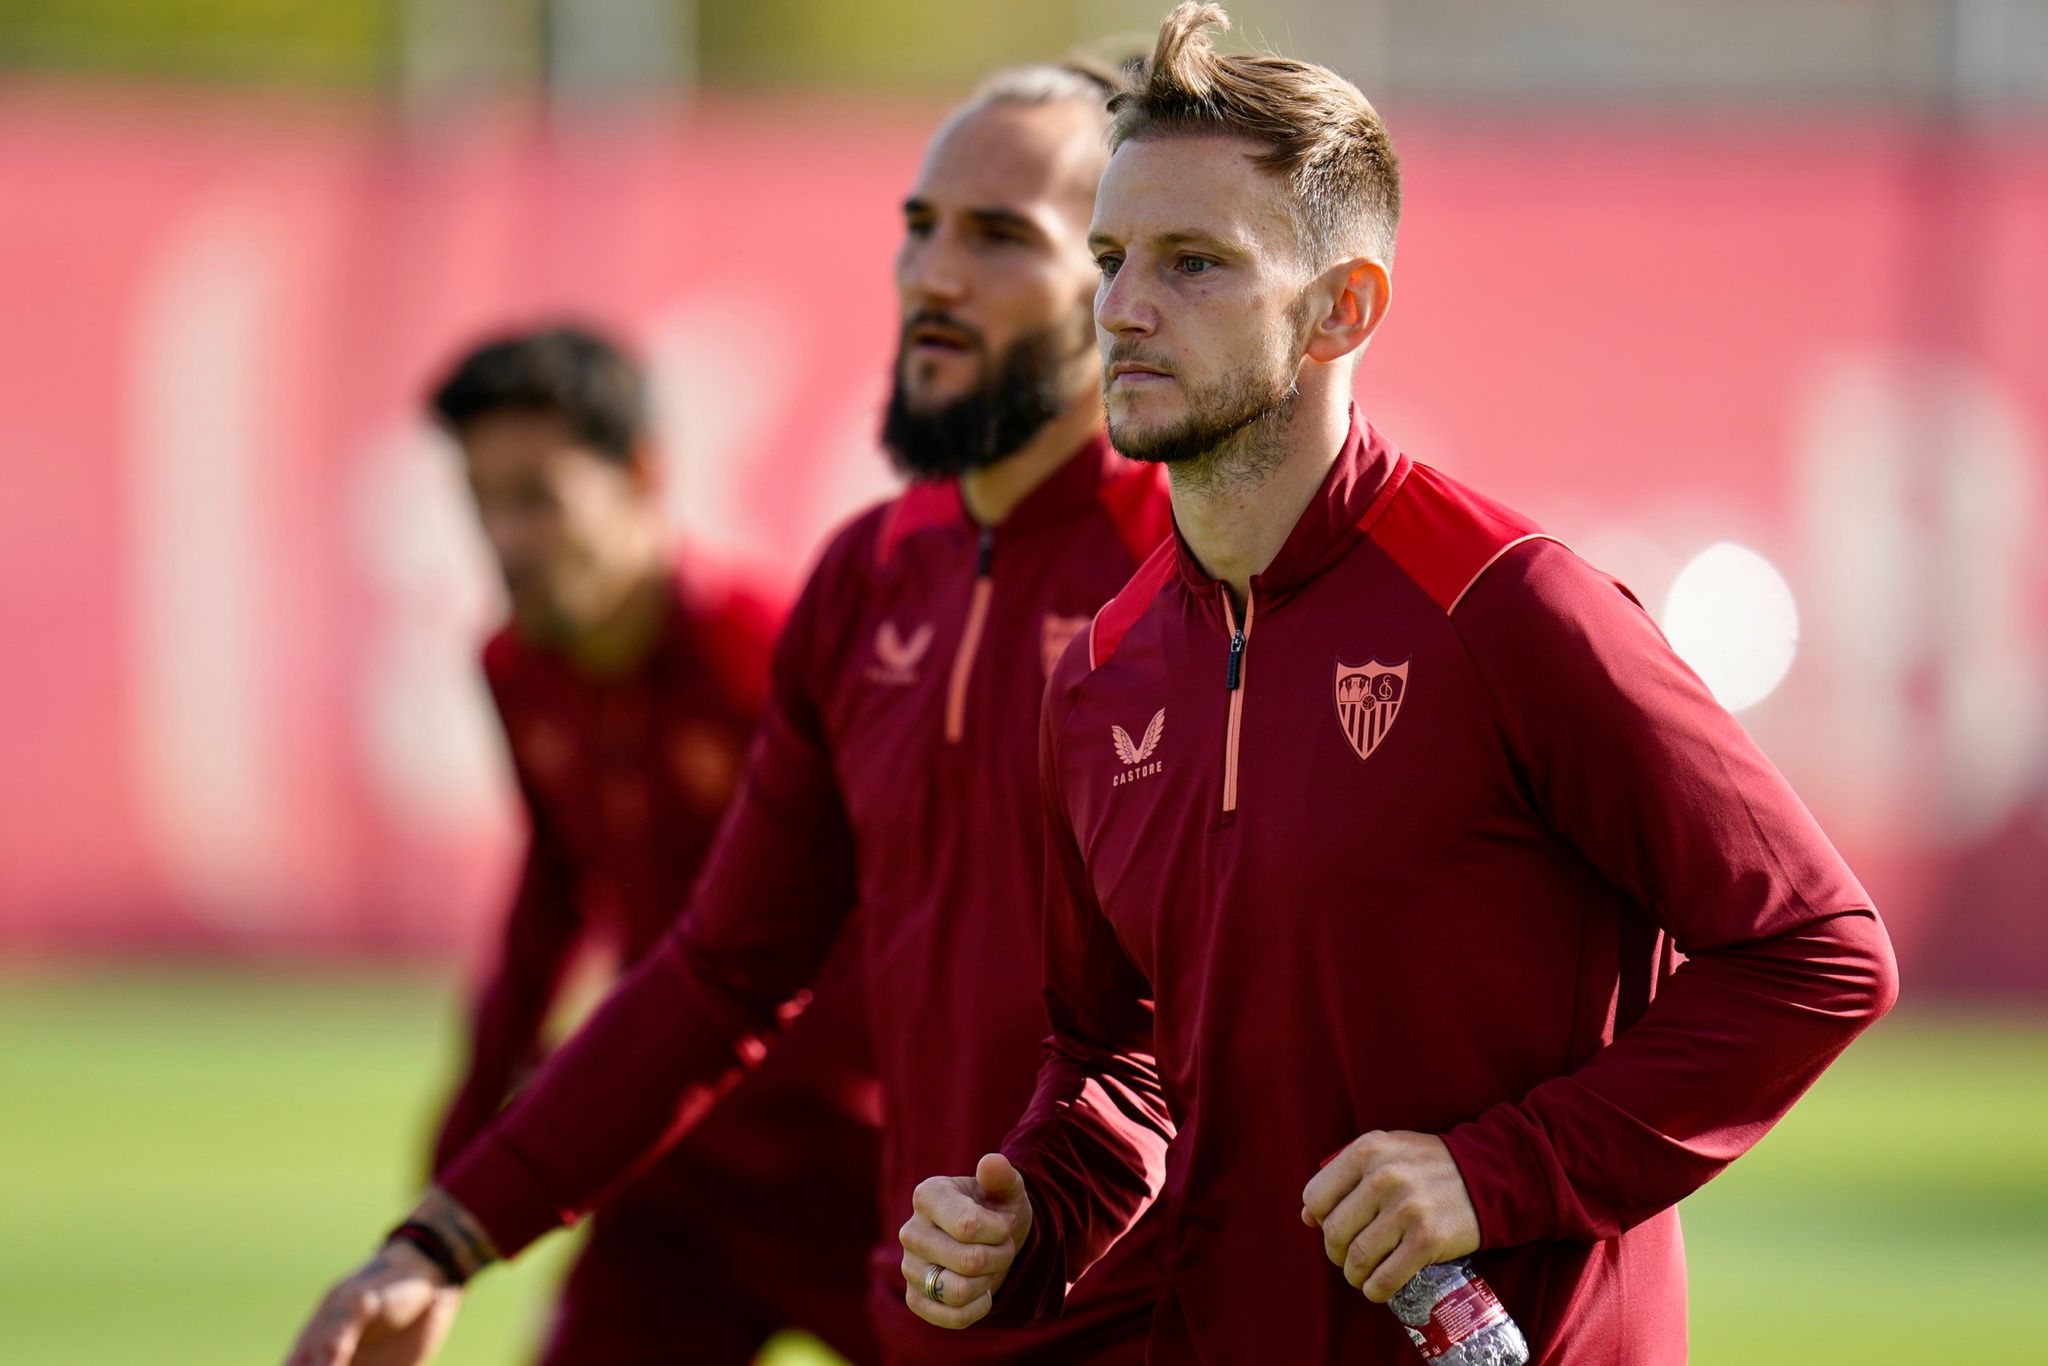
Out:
{"x": 187, "y": 1157}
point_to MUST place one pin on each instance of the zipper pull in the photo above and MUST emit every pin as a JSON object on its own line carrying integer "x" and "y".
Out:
{"x": 985, "y": 557}
{"x": 1236, "y": 660}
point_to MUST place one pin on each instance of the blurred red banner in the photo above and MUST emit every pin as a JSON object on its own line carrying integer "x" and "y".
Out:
{"x": 1788, "y": 379}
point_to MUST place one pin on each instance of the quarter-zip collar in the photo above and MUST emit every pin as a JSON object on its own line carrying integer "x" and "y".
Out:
{"x": 1067, "y": 490}
{"x": 1071, "y": 487}
{"x": 666, "y": 643}
{"x": 1364, "y": 476}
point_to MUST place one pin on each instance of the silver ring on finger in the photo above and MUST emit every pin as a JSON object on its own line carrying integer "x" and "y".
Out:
{"x": 934, "y": 1289}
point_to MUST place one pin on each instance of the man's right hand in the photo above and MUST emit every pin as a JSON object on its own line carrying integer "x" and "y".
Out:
{"x": 393, "y": 1312}
{"x": 970, "y": 1228}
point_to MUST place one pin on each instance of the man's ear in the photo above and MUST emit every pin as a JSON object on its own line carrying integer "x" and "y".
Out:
{"x": 644, "y": 468}
{"x": 1359, "y": 291}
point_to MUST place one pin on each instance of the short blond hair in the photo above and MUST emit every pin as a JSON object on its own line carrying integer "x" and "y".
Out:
{"x": 1320, "y": 132}
{"x": 1078, "y": 78}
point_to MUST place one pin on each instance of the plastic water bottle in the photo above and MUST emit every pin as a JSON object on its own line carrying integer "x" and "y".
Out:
{"x": 1454, "y": 1319}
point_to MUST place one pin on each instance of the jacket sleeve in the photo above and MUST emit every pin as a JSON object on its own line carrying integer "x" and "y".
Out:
{"x": 1627, "y": 755}
{"x": 505, "y": 1028}
{"x": 1092, "y": 1144}
{"x": 774, "y": 895}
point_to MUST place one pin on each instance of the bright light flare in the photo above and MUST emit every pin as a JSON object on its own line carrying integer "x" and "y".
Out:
{"x": 1730, "y": 615}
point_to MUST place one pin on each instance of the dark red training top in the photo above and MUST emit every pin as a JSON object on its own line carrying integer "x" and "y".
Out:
{"x": 1413, "y": 843}
{"x": 624, "y": 780}
{"x": 896, "y": 775}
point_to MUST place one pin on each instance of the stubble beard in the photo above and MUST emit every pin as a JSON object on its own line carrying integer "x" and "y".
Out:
{"x": 1231, "y": 438}
{"x": 1234, "y": 434}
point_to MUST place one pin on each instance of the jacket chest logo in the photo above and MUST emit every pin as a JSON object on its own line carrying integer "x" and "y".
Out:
{"x": 1137, "y": 757}
{"x": 897, "y": 658}
{"x": 1369, "y": 697}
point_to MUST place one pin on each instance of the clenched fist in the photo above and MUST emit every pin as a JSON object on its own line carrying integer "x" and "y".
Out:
{"x": 962, "y": 1238}
{"x": 1390, "y": 1204}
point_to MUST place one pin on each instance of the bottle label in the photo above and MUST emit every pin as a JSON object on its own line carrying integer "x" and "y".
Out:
{"x": 1467, "y": 1308}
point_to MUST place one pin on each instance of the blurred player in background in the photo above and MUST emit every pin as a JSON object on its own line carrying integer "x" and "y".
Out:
{"x": 1401, "y": 813}
{"x": 628, "y": 694}
{"x": 895, "y": 775}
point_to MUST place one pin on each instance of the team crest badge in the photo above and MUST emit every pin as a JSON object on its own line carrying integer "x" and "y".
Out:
{"x": 706, "y": 765}
{"x": 1368, "y": 699}
{"x": 546, "y": 750}
{"x": 1057, "y": 633}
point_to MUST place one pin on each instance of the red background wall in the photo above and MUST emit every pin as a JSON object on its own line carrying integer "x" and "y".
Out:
{"x": 239, "y": 598}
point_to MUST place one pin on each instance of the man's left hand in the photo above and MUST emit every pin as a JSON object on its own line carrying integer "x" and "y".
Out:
{"x": 1390, "y": 1204}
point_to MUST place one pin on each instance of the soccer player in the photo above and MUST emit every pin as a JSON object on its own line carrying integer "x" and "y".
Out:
{"x": 628, "y": 694}
{"x": 1400, "y": 812}
{"x": 895, "y": 775}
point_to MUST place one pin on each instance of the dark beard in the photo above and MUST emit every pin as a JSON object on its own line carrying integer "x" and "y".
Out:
{"x": 1020, "y": 394}
{"x": 1228, "y": 419}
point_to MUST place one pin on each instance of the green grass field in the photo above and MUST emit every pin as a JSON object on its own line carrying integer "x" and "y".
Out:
{"x": 187, "y": 1157}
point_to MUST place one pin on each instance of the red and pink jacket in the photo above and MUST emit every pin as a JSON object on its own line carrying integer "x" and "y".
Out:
{"x": 624, "y": 780}
{"x": 1415, "y": 841}
{"x": 893, "y": 788}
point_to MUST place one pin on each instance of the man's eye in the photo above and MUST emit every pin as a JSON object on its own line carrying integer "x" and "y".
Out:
{"x": 918, "y": 228}
{"x": 1196, "y": 265}
{"x": 1109, "y": 266}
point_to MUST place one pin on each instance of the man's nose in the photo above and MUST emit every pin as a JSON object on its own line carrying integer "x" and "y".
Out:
{"x": 1122, "y": 307}
{"x": 934, "y": 271}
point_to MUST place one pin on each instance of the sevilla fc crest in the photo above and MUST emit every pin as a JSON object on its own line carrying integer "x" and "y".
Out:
{"x": 1057, "y": 632}
{"x": 1368, "y": 699}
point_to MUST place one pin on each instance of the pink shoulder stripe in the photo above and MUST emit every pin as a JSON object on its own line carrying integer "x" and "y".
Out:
{"x": 1444, "y": 536}
{"x": 921, "y": 506}
{"x": 1139, "y": 507}
{"x": 1121, "y": 612}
